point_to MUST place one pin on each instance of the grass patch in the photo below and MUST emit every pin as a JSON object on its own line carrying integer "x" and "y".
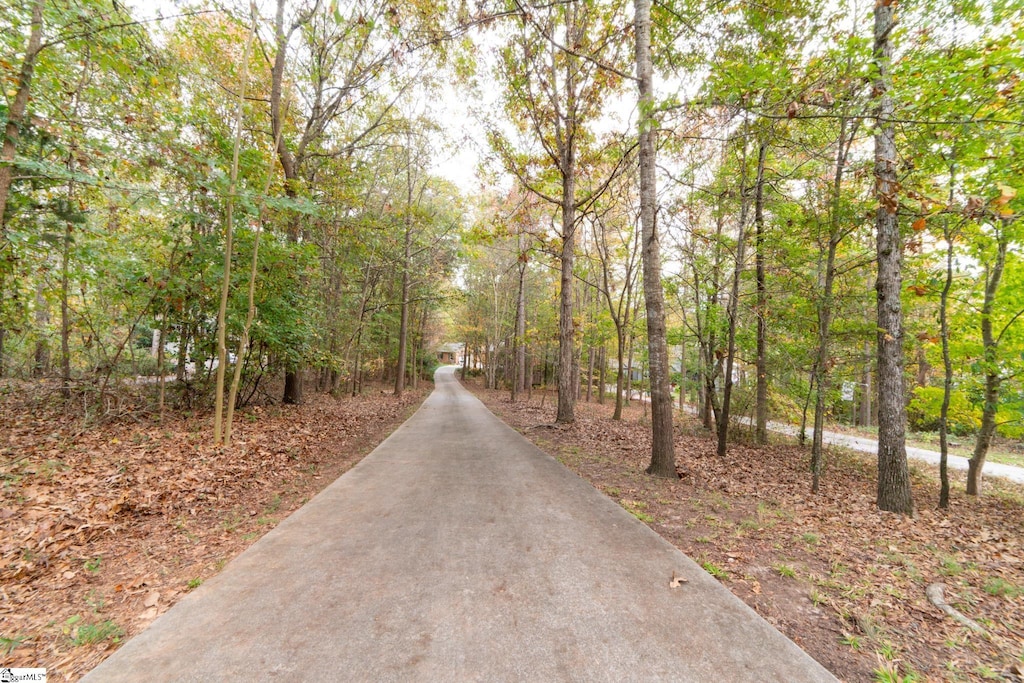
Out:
{"x": 851, "y": 641}
{"x": 232, "y": 521}
{"x": 949, "y": 566}
{"x": 636, "y": 508}
{"x": 890, "y": 672}
{"x": 1000, "y": 587}
{"x": 717, "y": 501}
{"x": 749, "y": 524}
{"x": 10, "y": 644}
{"x": 784, "y": 570}
{"x": 715, "y": 571}
{"x": 90, "y": 634}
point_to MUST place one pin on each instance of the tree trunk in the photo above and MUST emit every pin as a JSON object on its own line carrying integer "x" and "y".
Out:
{"x": 181, "y": 367}
{"x": 590, "y": 372}
{"x": 733, "y": 311}
{"x": 519, "y": 380}
{"x": 620, "y": 381}
{"x": 222, "y": 431}
{"x": 529, "y": 376}
{"x": 991, "y": 365}
{"x": 403, "y": 328}
{"x": 41, "y": 367}
{"x": 923, "y": 368}
{"x": 419, "y": 347}
{"x": 947, "y": 366}
{"x": 629, "y": 368}
{"x": 65, "y": 312}
{"x": 894, "y": 493}
{"x": 823, "y": 363}
{"x": 161, "y": 361}
{"x": 290, "y": 168}
{"x": 682, "y": 376}
{"x": 706, "y": 334}
{"x": 465, "y": 360}
{"x": 16, "y": 113}
{"x": 12, "y": 134}
{"x": 663, "y": 461}
{"x": 602, "y": 369}
{"x": 761, "y": 405}
{"x": 566, "y": 331}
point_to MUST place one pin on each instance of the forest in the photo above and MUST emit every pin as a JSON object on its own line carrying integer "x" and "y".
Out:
{"x": 261, "y": 185}
{"x": 739, "y": 213}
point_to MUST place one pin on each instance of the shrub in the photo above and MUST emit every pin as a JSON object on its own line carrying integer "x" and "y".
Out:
{"x": 926, "y": 406}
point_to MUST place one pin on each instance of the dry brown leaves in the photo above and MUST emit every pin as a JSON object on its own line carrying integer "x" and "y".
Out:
{"x": 844, "y": 581}
{"x": 102, "y": 530}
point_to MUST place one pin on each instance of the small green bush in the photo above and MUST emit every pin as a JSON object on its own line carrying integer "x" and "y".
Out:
{"x": 926, "y": 406}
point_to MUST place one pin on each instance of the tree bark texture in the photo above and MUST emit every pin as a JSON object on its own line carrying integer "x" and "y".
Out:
{"x": 947, "y": 375}
{"x": 403, "y": 328}
{"x": 289, "y": 166}
{"x": 761, "y": 400}
{"x": 894, "y": 493}
{"x": 519, "y": 383}
{"x": 41, "y": 366}
{"x": 663, "y": 460}
{"x": 732, "y": 311}
{"x": 566, "y": 329}
{"x": 993, "y": 379}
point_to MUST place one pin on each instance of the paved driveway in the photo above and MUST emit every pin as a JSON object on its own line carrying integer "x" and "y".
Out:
{"x": 457, "y": 551}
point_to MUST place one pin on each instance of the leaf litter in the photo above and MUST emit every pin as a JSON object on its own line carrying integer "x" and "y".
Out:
{"x": 102, "y": 529}
{"x": 844, "y": 581}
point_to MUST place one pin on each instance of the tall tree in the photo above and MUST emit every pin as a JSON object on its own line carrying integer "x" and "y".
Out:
{"x": 990, "y": 339}
{"x": 558, "y": 71}
{"x": 893, "y": 477}
{"x": 342, "y": 62}
{"x": 663, "y": 462}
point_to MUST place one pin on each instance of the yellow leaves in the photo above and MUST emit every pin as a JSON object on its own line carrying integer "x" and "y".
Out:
{"x": 1006, "y": 193}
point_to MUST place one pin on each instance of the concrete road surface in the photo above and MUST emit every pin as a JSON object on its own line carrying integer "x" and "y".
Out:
{"x": 866, "y": 445}
{"x": 457, "y": 551}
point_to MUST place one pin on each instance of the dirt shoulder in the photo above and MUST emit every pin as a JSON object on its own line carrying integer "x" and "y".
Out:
{"x": 844, "y": 581}
{"x": 104, "y": 529}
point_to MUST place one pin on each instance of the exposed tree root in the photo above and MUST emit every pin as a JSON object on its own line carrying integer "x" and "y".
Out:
{"x": 936, "y": 593}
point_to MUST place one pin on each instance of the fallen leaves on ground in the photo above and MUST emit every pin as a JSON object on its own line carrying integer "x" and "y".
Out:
{"x": 103, "y": 529}
{"x": 843, "y": 580}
